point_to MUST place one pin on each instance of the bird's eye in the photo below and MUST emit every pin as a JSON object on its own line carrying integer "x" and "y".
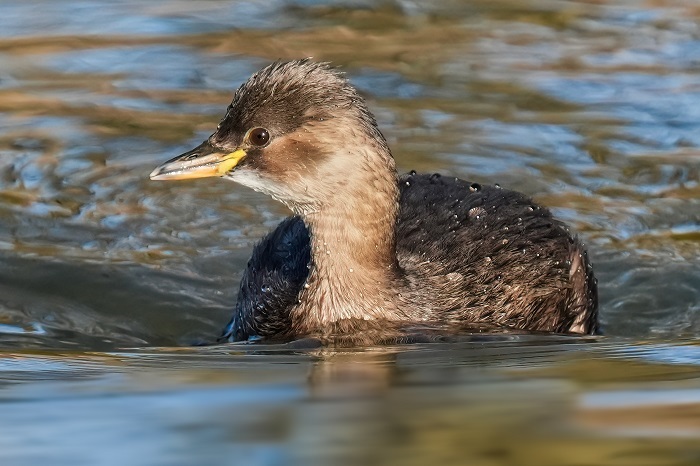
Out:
{"x": 258, "y": 136}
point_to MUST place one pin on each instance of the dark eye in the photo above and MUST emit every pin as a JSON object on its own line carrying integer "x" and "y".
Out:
{"x": 258, "y": 136}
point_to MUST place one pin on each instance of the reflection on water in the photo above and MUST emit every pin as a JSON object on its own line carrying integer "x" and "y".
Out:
{"x": 529, "y": 401}
{"x": 592, "y": 107}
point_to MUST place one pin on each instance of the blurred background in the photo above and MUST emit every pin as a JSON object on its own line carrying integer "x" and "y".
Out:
{"x": 592, "y": 107}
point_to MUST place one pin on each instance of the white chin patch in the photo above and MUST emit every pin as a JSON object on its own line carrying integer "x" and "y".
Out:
{"x": 250, "y": 179}
{"x": 298, "y": 203}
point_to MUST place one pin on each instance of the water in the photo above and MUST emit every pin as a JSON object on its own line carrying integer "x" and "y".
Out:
{"x": 106, "y": 278}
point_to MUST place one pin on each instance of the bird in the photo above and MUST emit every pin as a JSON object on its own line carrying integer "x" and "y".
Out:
{"x": 368, "y": 253}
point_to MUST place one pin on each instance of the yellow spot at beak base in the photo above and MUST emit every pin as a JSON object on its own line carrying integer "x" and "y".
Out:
{"x": 230, "y": 161}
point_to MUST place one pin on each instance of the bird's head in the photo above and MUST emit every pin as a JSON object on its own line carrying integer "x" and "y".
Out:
{"x": 296, "y": 131}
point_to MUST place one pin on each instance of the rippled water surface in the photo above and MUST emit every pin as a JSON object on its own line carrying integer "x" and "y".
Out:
{"x": 591, "y": 107}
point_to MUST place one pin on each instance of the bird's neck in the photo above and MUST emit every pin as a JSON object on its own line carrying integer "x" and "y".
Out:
{"x": 353, "y": 269}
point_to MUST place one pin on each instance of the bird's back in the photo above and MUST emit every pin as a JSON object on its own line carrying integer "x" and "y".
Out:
{"x": 479, "y": 254}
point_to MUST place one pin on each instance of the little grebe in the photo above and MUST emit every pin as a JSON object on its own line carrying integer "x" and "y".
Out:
{"x": 367, "y": 249}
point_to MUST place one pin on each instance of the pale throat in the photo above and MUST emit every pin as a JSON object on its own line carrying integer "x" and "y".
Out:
{"x": 349, "y": 236}
{"x": 353, "y": 254}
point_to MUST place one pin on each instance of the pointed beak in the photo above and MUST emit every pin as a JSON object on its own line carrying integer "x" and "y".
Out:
{"x": 201, "y": 162}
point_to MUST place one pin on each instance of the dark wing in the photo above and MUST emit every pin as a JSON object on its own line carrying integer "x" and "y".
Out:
{"x": 271, "y": 283}
{"x": 492, "y": 255}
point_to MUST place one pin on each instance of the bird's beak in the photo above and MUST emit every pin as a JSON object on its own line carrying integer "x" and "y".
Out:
{"x": 201, "y": 162}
